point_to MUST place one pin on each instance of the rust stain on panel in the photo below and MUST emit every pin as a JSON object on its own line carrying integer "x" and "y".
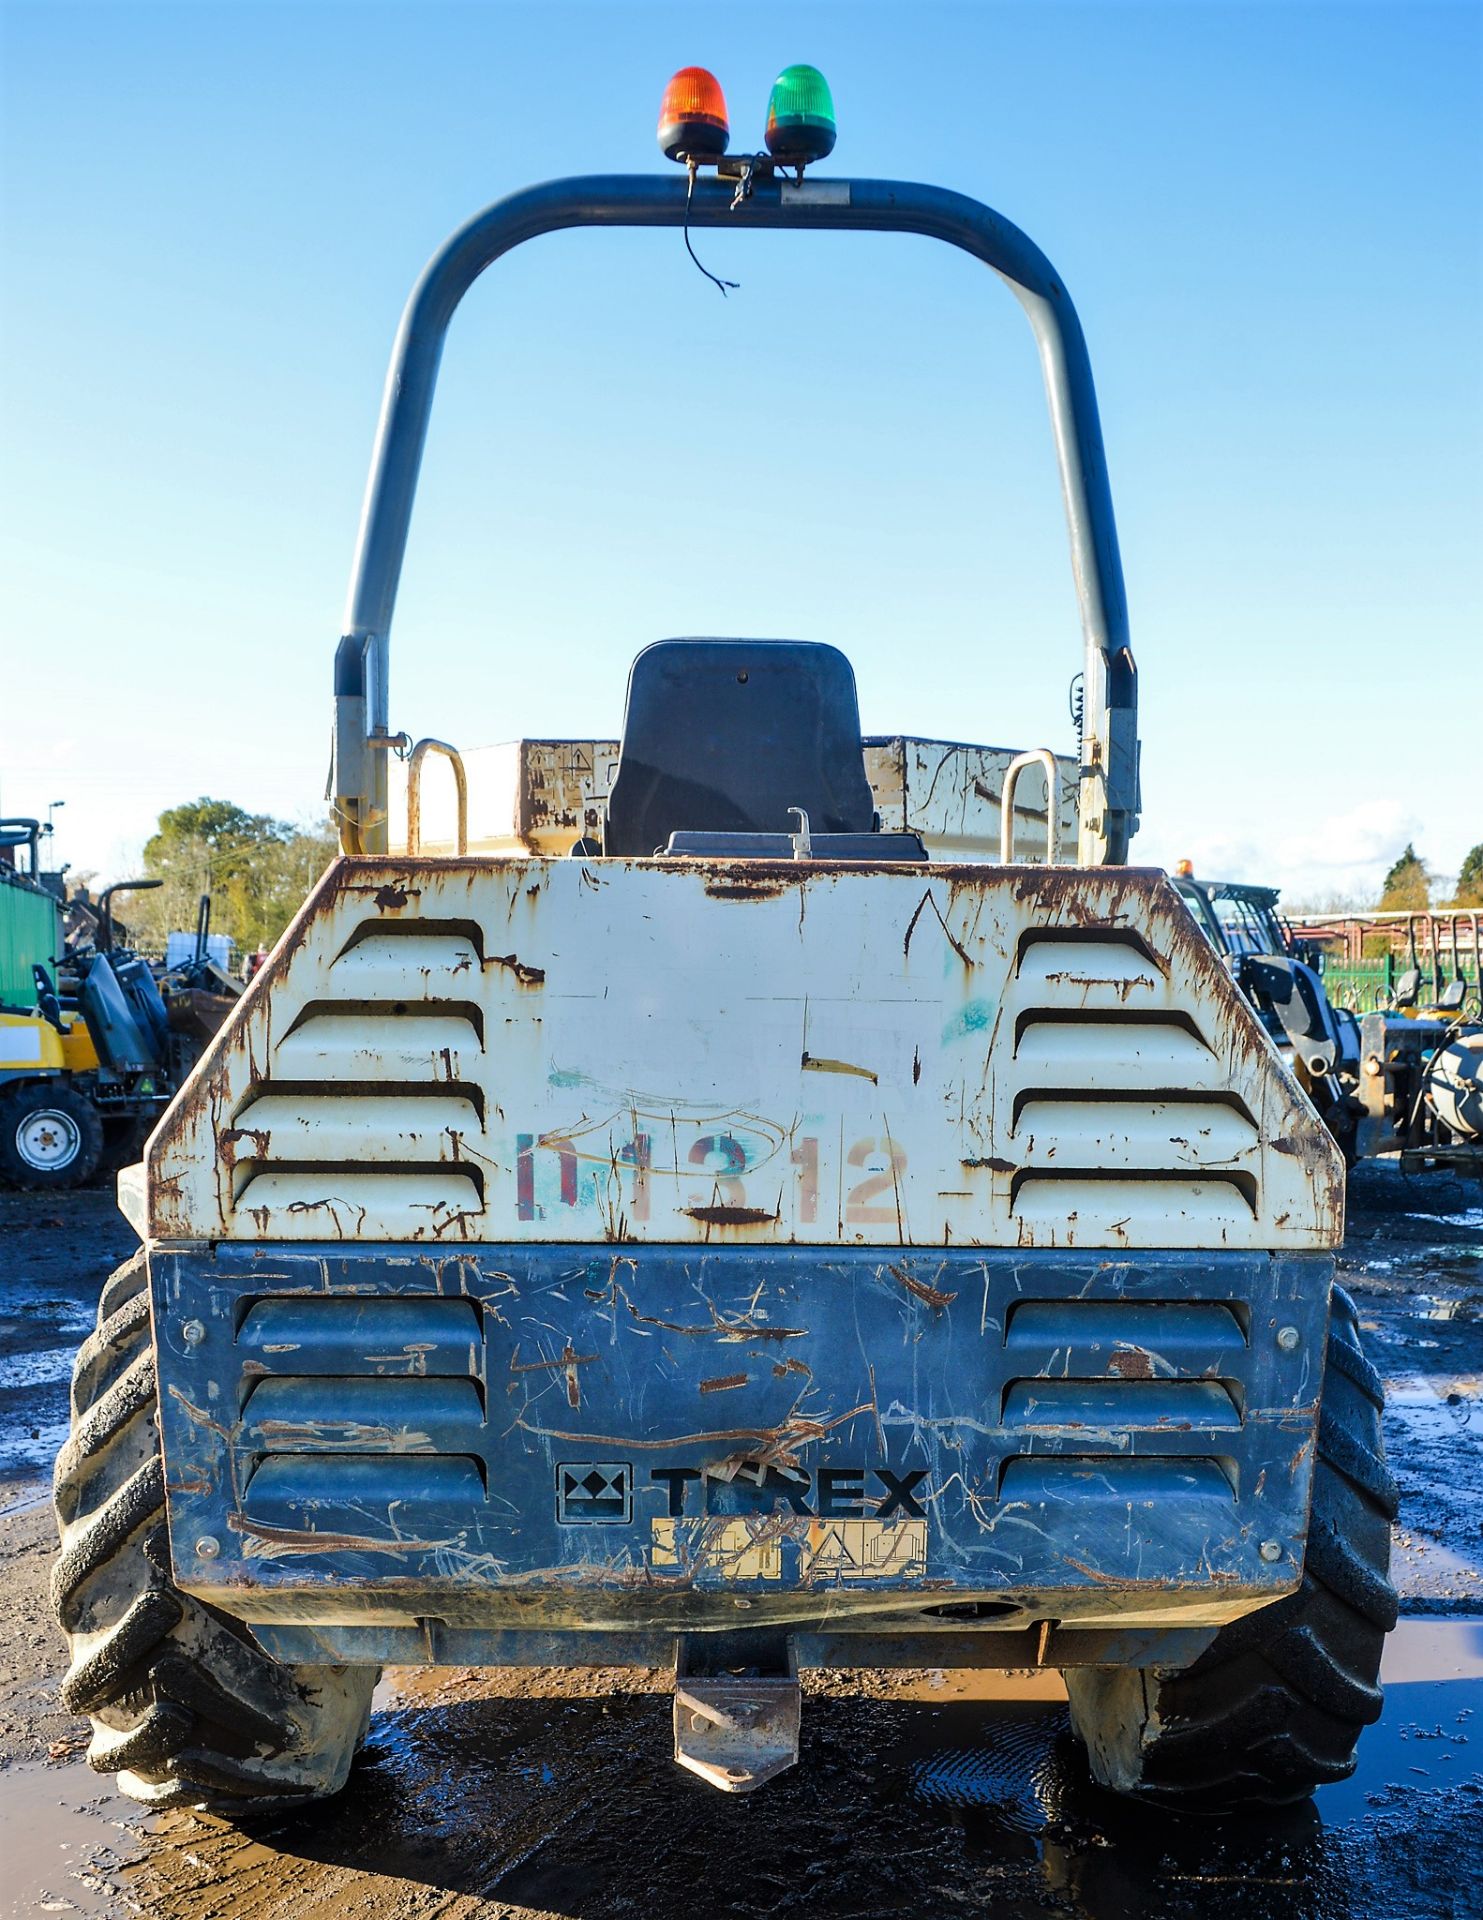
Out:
{"x": 229, "y": 1141}
{"x": 353, "y": 1435}
{"x": 261, "y": 1541}
{"x": 742, "y": 1327}
{"x": 566, "y": 1362}
{"x": 812, "y": 1063}
{"x": 933, "y": 1296}
{"x": 739, "y": 884}
{"x": 528, "y": 976}
{"x": 725, "y": 1216}
{"x": 1131, "y": 1363}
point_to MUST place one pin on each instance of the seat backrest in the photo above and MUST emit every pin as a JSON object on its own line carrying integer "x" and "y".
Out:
{"x": 724, "y": 736}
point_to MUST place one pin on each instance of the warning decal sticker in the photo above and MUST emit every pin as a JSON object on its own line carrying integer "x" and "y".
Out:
{"x": 752, "y": 1548}
{"x": 865, "y": 1550}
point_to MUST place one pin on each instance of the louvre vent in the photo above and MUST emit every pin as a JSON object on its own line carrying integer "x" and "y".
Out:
{"x": 371, "y": 1121}
{"x": 1132, "y": 1398}
{"x": 1115, "y": 1090}
{"x": 360, "y": 1417}
{"x": 1119, "y": 1483}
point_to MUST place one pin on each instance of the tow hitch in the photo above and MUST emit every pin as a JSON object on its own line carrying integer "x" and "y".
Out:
{"x": 736, "y": 1708}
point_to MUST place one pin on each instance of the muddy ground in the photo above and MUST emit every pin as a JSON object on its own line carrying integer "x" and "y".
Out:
{"x": 517, "y": 1793}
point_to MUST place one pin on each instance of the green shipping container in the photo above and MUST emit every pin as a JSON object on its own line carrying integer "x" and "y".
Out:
{"x": 30, "y": 931}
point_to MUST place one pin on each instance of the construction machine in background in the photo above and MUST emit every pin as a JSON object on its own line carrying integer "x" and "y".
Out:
{"x": 1403, "y": 1081}
{"x": 1419, "y": 1010}
{"x": 1405, "y": 1041}
{"x": 690, "y": 1213}
{"x": 50, "y": 1130}
{"x": 196, "y": 983}
{"x": 93, "y": 1044}
{"x": 1318, "y": 1041}
{"x": 1420, "y": 1077}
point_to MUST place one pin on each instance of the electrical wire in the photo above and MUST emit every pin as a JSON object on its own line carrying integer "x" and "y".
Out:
{"x": 714, "y": 278}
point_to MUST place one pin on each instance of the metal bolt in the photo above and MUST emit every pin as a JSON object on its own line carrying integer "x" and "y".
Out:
{"x": 1289, "y": 1339}
{"x": 1271, "y": 1549}
{"x": 193, "y": 1333}
{"x": 208, "y": 1546}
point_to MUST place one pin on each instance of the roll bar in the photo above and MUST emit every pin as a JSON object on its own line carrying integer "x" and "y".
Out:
{"x": 103, "y": 940}
{"x": 19, "y": 831}
{"x": 1109, "y": 751}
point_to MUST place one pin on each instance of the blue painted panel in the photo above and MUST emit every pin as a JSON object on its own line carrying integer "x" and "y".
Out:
{"x": 645, "y": 1435}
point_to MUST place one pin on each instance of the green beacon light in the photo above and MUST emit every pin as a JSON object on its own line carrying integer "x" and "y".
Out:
{"x": 800, "y": 117}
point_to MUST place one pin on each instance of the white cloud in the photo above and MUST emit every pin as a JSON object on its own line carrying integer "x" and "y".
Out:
{"x": 1340, "y": 856}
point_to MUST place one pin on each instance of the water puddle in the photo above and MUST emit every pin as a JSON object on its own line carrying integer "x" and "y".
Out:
{"x": 1014, "y": 1782}
{"x": 64, "y": 1838}
{"x": 930, "y": 1792}
{"x": 28, "y": 1301}
{"x": 1470, "y": 1221}
{"x": 37, "y": 1369}
{"x": 29, "y": 1445}
{"x": 1429, "y": 1740}
{"x": 1424, "y": 1741}
{"x": 1431, "y": 1306}
{"x": 40, "y": 1331}
{"x": 1444, "y": 1407}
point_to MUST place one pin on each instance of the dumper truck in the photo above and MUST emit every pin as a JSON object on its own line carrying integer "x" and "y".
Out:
{"x": 733, "y": 1236}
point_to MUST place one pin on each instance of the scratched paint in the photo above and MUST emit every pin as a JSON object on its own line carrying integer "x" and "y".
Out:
{"x": 1058, "y": 1436}
{"x": 451, "y": 1051}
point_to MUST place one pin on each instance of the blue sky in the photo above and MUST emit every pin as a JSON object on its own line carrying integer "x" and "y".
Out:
{"x": 1271, "y": 220}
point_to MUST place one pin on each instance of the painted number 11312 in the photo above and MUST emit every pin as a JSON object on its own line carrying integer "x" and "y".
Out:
{"x": 874, "y": 1163}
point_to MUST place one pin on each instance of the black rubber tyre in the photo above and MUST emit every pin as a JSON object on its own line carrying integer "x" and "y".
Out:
{"x": 1275, "y": 1707}
{"x": 186, "y": 1709}
{"x": 50, "y": 1136}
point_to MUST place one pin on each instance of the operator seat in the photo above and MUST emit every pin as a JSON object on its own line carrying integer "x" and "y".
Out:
{"x": 724, "y": 736}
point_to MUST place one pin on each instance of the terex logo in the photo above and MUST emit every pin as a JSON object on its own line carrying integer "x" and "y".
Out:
{"x": 834, "y": 1493}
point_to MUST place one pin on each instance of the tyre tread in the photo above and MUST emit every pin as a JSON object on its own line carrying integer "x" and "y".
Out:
{"x": 186, "y": 1708}
{"x": 1275, "y": 1705}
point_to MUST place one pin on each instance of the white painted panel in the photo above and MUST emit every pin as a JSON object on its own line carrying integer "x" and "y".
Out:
{"x": 1170, "y": 1052}
{"x": 750, "y": 1055}
{"x": 20, "y": 1043}
{"x": 950, "y": 794}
